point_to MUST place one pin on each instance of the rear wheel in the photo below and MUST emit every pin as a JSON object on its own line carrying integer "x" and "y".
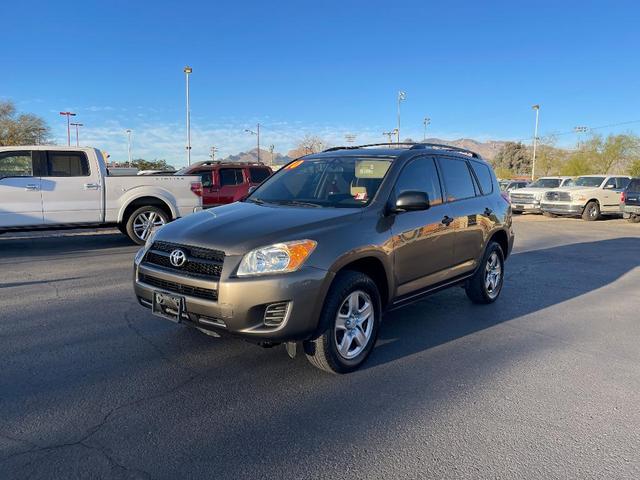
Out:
{"x": 144, "y": 221}
{"x": 591, "y": 212}
{"x": 549, "y": 214}
{"x": 486, "y": 284}
{"x": 351, "y": 314}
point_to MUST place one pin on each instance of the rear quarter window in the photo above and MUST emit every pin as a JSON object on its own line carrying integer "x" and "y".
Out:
{"x": 483, "y": 172}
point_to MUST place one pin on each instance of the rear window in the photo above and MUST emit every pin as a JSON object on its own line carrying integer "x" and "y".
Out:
{"x": 67, "y": 164}
{"x": 231, "y": 176}
{"x": 457, "y": 179}
{"x": 258, "y": 175}
{"x": 483, "y": 172}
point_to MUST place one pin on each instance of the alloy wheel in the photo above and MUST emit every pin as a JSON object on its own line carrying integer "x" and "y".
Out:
{"x": 493, "y": 275}
{"x": 145, "y": 223}
{"x": 354, "y": 324}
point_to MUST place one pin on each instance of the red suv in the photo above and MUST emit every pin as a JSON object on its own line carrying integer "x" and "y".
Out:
{"x": 224, "y": 183}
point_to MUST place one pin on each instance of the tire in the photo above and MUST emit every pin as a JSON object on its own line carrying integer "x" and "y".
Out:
{"x": 549, "y": 215}
{"x": 481, "y": 288}
{"x": 123, "y": 228}
{"x": 591, "y": 212}
{"x": 634, "y": 219}
{"x": 350, "y": 291}
{"x": 138, "y": 228}
{"x": 516, "y": 212}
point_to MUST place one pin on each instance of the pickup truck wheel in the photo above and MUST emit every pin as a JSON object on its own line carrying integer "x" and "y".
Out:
{"x": 143, "y": 221}
{"x": 486, "y": 284}
{"x": 351, "y": 312}
{"x": 634, "y": 219}
{"x": 591, "y": 212}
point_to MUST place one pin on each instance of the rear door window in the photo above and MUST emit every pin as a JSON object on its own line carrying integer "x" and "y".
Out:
{"x": 258, "y": 175}
{"x": 231, "y": 176}
{"x": 483, "y": 173}
{"x": 16, "y": 164}
{"x": 458, "y": 183}
{"x": 67, "y": 164}
{"x": 634, "y": 186}
{"x": 622, "y": 182}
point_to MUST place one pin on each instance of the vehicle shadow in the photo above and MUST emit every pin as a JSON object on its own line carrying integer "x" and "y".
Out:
{"x": 535, "y": 280}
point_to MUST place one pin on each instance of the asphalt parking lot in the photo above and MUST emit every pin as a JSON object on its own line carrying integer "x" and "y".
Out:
{"x": 543, "y": 384}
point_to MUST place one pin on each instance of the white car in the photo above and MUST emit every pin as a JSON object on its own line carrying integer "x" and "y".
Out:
{"x": 528, "y": 199}
{"x": 46, "y": 186}
{"x": 589, "y": 197}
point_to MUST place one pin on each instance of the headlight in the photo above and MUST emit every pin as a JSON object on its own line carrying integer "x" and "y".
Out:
{"x": 276, "y": 258}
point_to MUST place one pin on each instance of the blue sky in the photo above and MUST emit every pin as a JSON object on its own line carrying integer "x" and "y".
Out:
{"x": 326, "y": 68}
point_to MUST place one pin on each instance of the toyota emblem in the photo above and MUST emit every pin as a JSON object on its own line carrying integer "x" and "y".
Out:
{"x": 177, "y": 258}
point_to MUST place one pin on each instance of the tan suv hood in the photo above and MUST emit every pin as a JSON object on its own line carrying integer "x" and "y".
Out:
{"x": 242, "y": 226}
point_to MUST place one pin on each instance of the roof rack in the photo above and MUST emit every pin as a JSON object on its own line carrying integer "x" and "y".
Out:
{"x": 411, "y": 145}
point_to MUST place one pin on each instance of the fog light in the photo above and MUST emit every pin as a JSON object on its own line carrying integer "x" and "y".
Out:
{"x": 276, "y": 314}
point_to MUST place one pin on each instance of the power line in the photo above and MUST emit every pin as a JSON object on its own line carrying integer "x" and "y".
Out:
{"x": 573, "y": 131}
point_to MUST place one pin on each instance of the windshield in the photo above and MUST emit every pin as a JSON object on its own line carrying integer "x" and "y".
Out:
{"x": 504, "y": 184}
{"x": 589, "y": 181}
{"x": 325, "y": 182}
{"x": 546, "y": 183}
{"x": 569, "y": 183}
{"x": 182, "y": 171}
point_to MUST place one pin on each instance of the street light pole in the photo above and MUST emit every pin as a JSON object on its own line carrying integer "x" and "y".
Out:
{"x": 187, "y": 71}
{"x": 68, "y": 114}
{"x": 77, "y": 135}
{"x": 257, "y": 134}
{"x": 271, "y": 149}
{"x": 129, "y": 145}
{"x": 401, "y": 96}
{"x": 535, "y": 142}
{"x": 426, "y": 122}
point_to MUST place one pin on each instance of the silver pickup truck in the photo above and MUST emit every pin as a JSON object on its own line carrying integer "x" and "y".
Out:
{"x": 46, "y": 186}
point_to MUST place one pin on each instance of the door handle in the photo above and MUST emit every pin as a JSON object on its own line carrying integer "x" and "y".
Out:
{"x": 91, "y": 186}
{"x": 447, "y": 220}
{"x": 487, "y": 212}
{"x": 32, "y": 187}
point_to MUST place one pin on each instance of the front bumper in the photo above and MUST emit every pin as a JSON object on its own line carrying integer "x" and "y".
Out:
{"x": 562, "y": 208}
{"x": 241, "y": 302}
{"x": 525, "y": 207}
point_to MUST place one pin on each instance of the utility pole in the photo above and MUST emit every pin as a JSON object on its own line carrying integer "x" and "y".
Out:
{"x": 68, "y": 114}
{"x": 350, "y": 137}
{"x": 390, "y": 134}
{"x": 257, "y": 134}
{"x": 212, "y": 153}
{"x": 578, "y": 131}
{"x": 426, "y": 121}
{"x": 271, "y": 149}
{"x": 187, "y": 71}
{"x": 128, "y": 131}
{"x": 535, "y": 141}
{"x": 77, "y": 135}
{"x": 401, "y": 97}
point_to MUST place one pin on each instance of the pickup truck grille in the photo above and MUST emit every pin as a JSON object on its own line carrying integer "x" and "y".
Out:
{"x": 558, "y": 196}
{"x": 206, "y": 293}
{"x": 200, "y": 262}
{"x": 522, "y": 198}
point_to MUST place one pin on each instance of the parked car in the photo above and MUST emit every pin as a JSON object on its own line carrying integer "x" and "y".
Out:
{"x": 591, "y": 196}
{"x": 630, "y": 201}
{"x": 224, "y": 183}
{"x": 528, "y": 199}
{"x": 45, "y": 187}
{"x": 317, "y": 252}
{"x": 511, "y": 185}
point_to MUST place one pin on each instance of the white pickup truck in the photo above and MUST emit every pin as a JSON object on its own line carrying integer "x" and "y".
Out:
{"x": 46, "y": 186}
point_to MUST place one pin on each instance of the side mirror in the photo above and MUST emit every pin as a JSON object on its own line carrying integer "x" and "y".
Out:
{"x": 411, "y": 201}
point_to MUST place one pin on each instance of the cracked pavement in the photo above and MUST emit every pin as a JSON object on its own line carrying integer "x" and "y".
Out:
{"x": 543, "y": 384}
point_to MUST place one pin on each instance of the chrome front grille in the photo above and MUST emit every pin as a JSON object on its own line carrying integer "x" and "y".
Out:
{"x": 556, "y": 196}
{"x": 523, "y": 198}
{"x": 200, "y": 262}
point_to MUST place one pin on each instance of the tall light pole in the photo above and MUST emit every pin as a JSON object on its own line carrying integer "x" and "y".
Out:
{"x": 426, "y": 122}
{"x": 187, "y": 71}
{"x": 271, "y": 149}
{"x": 535, "y": 141}
{"x": 401, "y": 97}
{"x": 77, "y": 135}
{"x": 128, "y": 131}
{"x": 257, "y": 134}
{"x": 68, "y": 114}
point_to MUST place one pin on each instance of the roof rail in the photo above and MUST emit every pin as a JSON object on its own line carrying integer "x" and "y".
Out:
{"x": 411, "y": 145}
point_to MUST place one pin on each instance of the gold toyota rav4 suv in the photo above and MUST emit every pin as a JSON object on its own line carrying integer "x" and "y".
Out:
{"x": 315, "y": 255}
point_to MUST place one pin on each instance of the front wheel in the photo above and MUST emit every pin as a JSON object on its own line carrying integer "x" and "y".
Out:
{"x": 486, "y": 284}
{"x": 143, "y": 221}
{"x": 591, "y": 212}
{"x": 351, "y": 314}
{"x": 634, "y": 218}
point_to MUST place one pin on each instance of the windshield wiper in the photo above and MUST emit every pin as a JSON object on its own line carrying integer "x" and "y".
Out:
{"x": 296, "y": 203}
